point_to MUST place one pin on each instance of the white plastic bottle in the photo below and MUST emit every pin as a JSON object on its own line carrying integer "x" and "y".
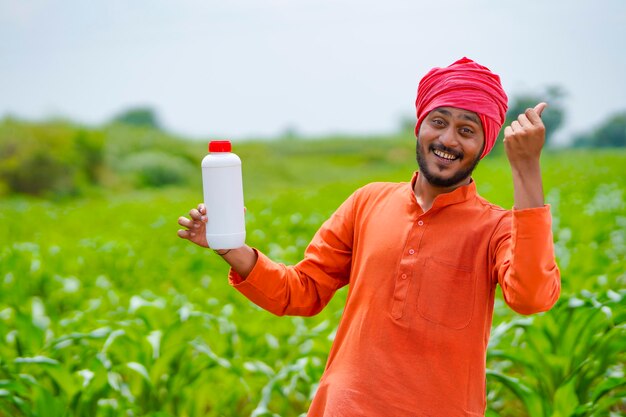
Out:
{"x": 223, "y": 197}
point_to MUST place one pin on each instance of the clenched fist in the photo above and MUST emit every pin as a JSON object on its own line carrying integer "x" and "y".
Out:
{"x": 525, "y": 137}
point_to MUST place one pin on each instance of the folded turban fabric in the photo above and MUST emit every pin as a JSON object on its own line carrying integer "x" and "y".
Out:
{"x": 466, "y": 85}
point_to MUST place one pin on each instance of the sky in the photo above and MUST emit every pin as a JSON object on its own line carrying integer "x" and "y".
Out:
{"x": 258, "y": 68}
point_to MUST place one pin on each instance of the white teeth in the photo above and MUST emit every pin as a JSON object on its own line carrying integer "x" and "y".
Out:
{"x": 444, "y": 155}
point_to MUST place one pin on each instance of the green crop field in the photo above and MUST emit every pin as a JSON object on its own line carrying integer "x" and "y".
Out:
{"x": 104, "y": 311}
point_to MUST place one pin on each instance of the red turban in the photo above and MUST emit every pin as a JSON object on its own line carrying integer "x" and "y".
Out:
{"x": 465, "y": 85}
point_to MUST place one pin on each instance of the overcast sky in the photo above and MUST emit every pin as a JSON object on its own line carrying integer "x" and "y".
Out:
{"x": 241, "y": 68}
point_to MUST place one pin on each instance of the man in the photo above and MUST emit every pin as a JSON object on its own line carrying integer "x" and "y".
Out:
{"x": 422, "y": 260}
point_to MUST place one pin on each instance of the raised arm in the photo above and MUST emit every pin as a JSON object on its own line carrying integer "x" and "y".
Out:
{"x": 526, "y": 266}
{"x": 523, "y": 142}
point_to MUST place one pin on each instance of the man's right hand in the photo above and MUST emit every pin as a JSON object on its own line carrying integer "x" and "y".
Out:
{"x": 242, "y": 259}
{"x": 196, "y": 226}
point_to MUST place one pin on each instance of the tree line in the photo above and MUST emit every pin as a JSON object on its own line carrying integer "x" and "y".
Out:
{"x": 610, "y": 133}
{"x": 60, "y": 158}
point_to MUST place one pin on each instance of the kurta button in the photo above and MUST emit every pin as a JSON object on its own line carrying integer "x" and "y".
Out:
{"x": 403, "y": 276}
{"x": 411, "y": 251}
{"x": 421, "y": 223}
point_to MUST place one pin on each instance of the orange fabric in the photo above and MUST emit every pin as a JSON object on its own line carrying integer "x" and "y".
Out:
{"x": 413, "y": 337}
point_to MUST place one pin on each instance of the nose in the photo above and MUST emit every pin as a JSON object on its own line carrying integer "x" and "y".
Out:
{"x": 448, "y": 138}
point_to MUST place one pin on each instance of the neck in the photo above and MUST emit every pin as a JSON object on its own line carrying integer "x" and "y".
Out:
{"x": 426, "y": 193}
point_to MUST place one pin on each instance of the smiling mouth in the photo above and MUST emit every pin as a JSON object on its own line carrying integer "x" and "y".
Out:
{"x": 445, "y": 155}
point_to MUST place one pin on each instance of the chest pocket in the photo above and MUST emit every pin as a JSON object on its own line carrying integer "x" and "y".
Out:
{"x": 446, "y": 294}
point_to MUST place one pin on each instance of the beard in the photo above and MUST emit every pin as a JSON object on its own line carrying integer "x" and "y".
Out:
{"x": 438, "y": 181}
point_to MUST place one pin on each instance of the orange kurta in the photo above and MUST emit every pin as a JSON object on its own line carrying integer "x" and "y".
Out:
{"x": 413, "y": 337}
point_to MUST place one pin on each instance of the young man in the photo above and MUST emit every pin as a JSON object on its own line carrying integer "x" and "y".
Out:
{"x": 422, "y": 259}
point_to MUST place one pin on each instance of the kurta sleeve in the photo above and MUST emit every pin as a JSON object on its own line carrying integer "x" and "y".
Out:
{"x": 525, "y": 265}
{"x": 305, "y": 288}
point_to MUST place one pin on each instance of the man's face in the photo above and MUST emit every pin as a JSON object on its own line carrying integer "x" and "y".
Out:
{"x": 449, "y": 144}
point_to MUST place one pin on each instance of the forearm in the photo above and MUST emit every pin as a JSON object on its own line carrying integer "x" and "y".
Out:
{"x": 242, "y": 259}
{"x": 300, "y": 290}
{"x": 527, "y": 185}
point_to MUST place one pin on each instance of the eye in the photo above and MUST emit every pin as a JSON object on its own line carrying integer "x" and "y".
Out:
{"x": 466, "y": 131}
{"x": 438, "y": 122}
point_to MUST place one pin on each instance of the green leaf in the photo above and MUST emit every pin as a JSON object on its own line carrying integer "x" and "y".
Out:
{"x": 259, "y": 367}
{"x": 607, "y": 386}
{"x": 41, "y": 360}
{"x": 532, "y": 400}
{"x": 565, "y": 400}
{"x": 140, "y": 369}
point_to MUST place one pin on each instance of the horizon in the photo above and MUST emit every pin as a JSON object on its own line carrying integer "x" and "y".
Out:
{"x": 245, "y": 70}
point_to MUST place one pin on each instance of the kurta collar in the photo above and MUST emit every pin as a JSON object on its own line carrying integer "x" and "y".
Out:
{"x": 459, "y": 195}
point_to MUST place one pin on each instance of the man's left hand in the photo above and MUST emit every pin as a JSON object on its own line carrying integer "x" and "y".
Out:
{"x": 525, "y": 137}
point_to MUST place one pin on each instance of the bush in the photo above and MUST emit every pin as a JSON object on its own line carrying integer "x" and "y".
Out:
{"x": 49, "y": 158}
{"x": 59, "y": 158}
{"x": 139, "y": 116}
{"x": 157, "y": 169}
{"x": 611, "y": 133}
